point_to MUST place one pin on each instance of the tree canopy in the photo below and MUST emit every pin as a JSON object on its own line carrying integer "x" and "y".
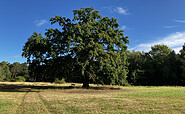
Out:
{"x": 95, "y": 43}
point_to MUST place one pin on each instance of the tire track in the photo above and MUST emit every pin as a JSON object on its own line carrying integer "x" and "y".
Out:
{"x": 32, "y": 102}
{"x": 23, "y": 99}
{"x": 20, "y": 107}
{"x": 44, "y": 102}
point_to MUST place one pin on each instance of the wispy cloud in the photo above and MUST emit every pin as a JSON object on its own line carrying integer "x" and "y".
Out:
{"x": 121, "y": 10}
{"x": 168, "y": 27}
{"x": 16, "y": 56}
{"x": 124, "y": 27}
{"x": 180, "y": 21}
{"x": 40, "y": 22}
{"x": 175, "y": 41}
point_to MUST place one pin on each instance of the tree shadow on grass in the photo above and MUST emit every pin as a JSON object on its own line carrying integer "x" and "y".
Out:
{"x": 36, "y": 88}
{"x": 30, "y": 88}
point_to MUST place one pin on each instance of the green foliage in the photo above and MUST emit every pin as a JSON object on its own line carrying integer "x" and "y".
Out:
{"x": 160, "y": 66}
{"x": 92, "y": 49}
{"x": 182, "y": 66}
{"x": 19, "y": 79}
{"x": 159, "y": 51}
{"x": 18, "y": 69}
{"x": 2, "y": 76}
{"x": 156, "y": 63}
{"x": 88, "y": 39}
{"x": 57, "y": 81}
{"x": 171, "y": 69}
{"x": 35, "y": 48}
{"x": 15, "y": 69}
{"x": 5, "y": 73}
{"x": 136, "y": 70}
{"x": 10, "y": 71}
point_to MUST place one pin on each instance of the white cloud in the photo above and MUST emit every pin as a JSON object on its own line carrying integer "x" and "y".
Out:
{"x": 175, "y": 41}
{"x": 124, "y": 27}
{"x": 177, "y": 49}
{"x": 40, "y": 22}
{"x": 121, "y": 10}
{"x": 180, "y": 21}
{"x": 168, "y": 27}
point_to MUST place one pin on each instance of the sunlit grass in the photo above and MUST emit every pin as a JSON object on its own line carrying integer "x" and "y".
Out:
{"x": 98, "y": 99}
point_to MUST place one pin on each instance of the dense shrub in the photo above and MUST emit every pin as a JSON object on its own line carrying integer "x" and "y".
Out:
{"x": 19, "y": 79}
{"x": 57, "y": 81}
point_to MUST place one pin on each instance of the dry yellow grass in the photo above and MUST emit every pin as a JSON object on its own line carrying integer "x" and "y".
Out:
{"x": 38, "y": 97}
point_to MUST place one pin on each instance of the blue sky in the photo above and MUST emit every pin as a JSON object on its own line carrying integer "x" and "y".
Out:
{"x": 146, "y": 22}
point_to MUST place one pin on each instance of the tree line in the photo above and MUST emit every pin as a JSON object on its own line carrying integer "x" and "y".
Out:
{"x": 14, "y": 72}
{"x": 92, "y": 49}
{"x": 158, "y": 67}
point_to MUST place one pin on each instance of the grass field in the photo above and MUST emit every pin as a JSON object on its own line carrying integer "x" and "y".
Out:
{"x": 45, "y": 98}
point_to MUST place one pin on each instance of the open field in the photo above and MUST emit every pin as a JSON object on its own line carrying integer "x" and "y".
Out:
{"x": 25, "y": 98}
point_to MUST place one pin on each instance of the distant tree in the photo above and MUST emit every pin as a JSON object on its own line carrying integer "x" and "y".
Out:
{"x": 158, "y": 55}
{"x": 182, "y": 66}
{"x": 15, "y": 68}
{"x": 136, "y": 62}
{"x": 161, "y": 66}
{"x": 88, "y": 39}
{"x": 18, "y": 69}
{"x": 5, "y": 71}
{"x": 2, "y": 75}
{"x": 171, "y": 69}
{"x": 159, "y": 52}
{"x": 24, "y": 71}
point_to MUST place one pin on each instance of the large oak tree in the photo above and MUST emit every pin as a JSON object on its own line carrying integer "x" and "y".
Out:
{"x": 95, "y": 43}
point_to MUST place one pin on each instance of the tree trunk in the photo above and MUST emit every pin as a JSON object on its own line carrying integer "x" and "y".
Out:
{"x": 86, "y": 80}
{"x": 85, "y": 84}
{"x": 86, "y": 76}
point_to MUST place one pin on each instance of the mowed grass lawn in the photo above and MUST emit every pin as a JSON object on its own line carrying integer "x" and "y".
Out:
{"x": 45, "y": 98}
